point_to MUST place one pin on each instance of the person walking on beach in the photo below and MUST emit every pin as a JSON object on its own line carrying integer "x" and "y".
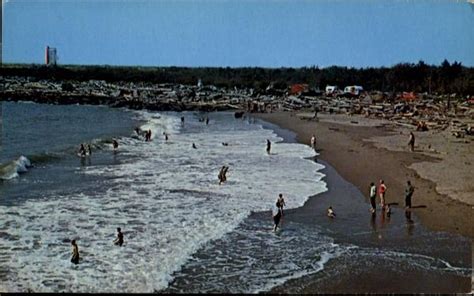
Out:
{"x": 75, "y": 252}
{"x": 119, "y": 240}
{"x": 313, "y": 142}
{"x": 408, "y": 194}
{"x": 411, "y": 142}
{"x": 373, "y": 195}
{"x": 382, "y": 190}
{"x": 269, "y": 146}
{"x": 276, "y": 215}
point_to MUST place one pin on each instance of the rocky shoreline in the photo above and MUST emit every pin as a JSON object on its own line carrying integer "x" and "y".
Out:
{"x": 437, "y": 112}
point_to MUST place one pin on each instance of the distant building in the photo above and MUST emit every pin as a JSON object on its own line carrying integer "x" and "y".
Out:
{"x": 354, "y": 90}
{"x": 331, "y": 89}
{"x": 51, "y": 56}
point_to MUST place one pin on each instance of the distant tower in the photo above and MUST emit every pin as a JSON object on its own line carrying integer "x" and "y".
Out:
{"x": 50, "y": 56}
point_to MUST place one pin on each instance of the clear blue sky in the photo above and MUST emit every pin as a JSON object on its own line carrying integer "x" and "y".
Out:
{"x": 288, "y": 33}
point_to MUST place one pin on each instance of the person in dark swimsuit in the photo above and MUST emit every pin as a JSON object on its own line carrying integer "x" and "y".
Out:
{"x": 119, "y": 240}
{"x": 75, "y": 252}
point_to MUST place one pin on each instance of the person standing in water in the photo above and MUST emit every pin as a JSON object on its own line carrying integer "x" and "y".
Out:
{"x": 82, "y": 150}
{"x": 89, "y": 149}
{"x": 382, "y": 190}
{"x": 194, "y": 146}
{"x": 115, "y": 144}
{"x": 313, "y": 142}
{"x": 166, "y": 136}
{"x": 182, "y": 120}
{"x": 269, "y": 146}
{"x": 119, "y": 240}
{"x": 373, "y": 195}
{"x": 75, "y": 252}
{"x": 408, "y": 194}
{"x": 207, "y": 120}
{"x": 276, "y": 215}
{"x": 281, "y": 202}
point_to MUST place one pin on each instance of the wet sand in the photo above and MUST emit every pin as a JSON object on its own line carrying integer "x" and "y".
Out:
{"x": 438, "y": 227}
{"x": 350, "y": 149}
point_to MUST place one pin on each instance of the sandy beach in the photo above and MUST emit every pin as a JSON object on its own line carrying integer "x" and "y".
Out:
{"x": 365, "y": 150}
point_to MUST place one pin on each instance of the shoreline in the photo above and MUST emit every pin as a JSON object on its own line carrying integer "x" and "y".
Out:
{"x": 348, "y": 149}
{"x": 396, "y": 234}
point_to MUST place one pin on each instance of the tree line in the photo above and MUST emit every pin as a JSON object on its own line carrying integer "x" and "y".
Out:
{"x": 447, "y": 78}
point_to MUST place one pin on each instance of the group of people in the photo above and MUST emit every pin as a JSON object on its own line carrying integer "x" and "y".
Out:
{"x": 75, "y": 249}
{"x": 381, "y": 190}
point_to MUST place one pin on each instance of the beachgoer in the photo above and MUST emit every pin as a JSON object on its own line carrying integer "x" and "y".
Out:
{"x": 373, "y": 195}
{"x": 411, "y": 142}
{"x": 149, "y": 135}
{"x": 276, "y": 214}
{"x": 89, "y": 149}
{"x": 115, "y": 144}
{"x": 194, "y": 146}
{"x": 382, "y": 189}
{"x": 281, "y": 202}
{"x": 313, "y": 142}
{"x": 331, "y": 213}
{"x": 221, "y": 175}
{"x": 408, "y": 194}
{"x": 119, "y": 240}
{"x": 182, "y": 120}
{"x": 166, "y": 136}
{"x": 82, "y": 150}
{"x": 207, "y": 120}
{"x": 269, "y": 146}
{"x": 75, "y": 252}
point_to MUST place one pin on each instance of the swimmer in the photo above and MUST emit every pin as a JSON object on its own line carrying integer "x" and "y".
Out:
{"x": 119, "y": 240}
{"x": 75, "y": 252}
{"x": 331, "y": 213}
{"x": 225, "y": 144}
{"x": 207, "y": 120}
{"x": 115, "y": 144}
{"x": 166, "y": 136}
{"x": 89, "y": 149}
{"x": 276, "y": 215}
{"x": 281, "y": 202}
{"x": 194, "y": 146}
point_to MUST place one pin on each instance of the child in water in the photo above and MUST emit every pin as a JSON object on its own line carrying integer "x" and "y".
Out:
{"x": 331, "y": 213}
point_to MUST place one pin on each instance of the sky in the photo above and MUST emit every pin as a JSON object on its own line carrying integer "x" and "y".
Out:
{"x": 231, "y": 33}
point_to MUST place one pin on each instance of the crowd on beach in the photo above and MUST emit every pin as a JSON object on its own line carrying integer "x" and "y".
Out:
{"x": 277, "y": 209}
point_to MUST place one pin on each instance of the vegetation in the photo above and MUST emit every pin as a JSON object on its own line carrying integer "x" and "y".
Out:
{"x": 420, "y": 77}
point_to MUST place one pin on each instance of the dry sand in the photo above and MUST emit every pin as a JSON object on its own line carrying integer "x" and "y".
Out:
{"x": 366, "y": 150}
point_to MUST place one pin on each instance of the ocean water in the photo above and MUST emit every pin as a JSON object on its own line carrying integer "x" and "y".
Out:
{"x": 163, "y": 194}
{"x": 183, "y": 231}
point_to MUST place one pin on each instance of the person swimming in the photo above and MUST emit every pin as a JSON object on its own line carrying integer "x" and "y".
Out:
{"x": 75, "y": 252}
{"x": 194, "y": 146}
{"x": 119, "y": 240}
